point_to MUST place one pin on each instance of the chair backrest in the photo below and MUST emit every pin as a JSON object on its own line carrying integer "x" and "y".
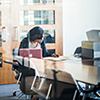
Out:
{"x": 78, "y": 50}
{"x": 56, "y": 84}
{"x": 27, "y": 63}
{"x": 64, "y": 85}
{"x": 29, "y": 71}
{"x": 60, "y": 75}
{"x": 61, "y": 84}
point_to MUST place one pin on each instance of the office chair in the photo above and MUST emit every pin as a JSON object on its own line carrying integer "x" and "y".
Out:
{"x": 78, "y": 52}
{"x": 57, "y": 85}
{"x": 25, "y": 76}
{"x": 28, "y": 72}
{"x": 30, "y": 82}
{"x": 92, "y": 91}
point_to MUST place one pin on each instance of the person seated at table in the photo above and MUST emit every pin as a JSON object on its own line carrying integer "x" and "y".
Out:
{"x": 35, "y": 39}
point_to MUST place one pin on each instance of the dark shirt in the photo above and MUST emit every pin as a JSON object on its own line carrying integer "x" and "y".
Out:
{"x": 25, "y": 44}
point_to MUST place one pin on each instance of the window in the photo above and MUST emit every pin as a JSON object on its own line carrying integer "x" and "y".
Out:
{"x": 44, "y": 1}
{"x": 36, "y": 1}
{"x": 25, "y": 1}
{"x": 23, "y": 34}
{"x": 25, "y": 17}
{"x": 44, "y": 17}
{"x": 37, "y": 14}
{"x": 30, "y": 2}
{"x": 49, "y": 36}
{"x": 37, "y": 17}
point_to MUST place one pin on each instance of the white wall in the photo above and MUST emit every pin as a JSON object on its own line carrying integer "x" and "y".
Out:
{"x": 78, "y": 17}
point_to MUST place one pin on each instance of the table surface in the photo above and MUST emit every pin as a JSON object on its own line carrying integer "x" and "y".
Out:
{"x": 84, "y": 70}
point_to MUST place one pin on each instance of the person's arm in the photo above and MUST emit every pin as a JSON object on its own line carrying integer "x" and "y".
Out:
{"x": 45, "y": 52}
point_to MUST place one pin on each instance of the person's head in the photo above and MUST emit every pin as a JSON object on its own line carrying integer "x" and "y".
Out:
{"x": 36, "y": 34}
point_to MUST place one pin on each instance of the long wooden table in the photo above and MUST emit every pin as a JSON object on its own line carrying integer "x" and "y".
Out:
{"x": 89, "y": 74}
{"x": 81, "y": 69}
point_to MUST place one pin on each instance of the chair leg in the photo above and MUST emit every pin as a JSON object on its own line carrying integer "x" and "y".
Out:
{"x": 74, "y": 97}
{"x": 84, "y": 96}
{"x": 19, "y": 95}
{"x": 28, "y": 97}
{"x": 14, "y": 92}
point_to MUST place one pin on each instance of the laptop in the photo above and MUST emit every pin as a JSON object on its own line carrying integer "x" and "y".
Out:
{"x": 31, "y": 52}
{"x": 93, "y": 35}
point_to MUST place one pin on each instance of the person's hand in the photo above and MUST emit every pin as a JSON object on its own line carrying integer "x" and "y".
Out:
{"x": 54, "y": 55}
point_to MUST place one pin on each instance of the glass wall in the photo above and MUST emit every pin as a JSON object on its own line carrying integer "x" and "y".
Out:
{"x": 15, "y": 22}
{"x": 17, "y": 17}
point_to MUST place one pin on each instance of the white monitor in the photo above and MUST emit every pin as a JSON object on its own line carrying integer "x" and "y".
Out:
{"x": 93, "y": 35}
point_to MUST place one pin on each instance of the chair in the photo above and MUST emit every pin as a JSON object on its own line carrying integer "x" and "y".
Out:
{"x": 28, "y": 72}
{"x": 31, "y": 83}
{"x": 78, "y": 52}
{"x": 25, "y": 75}
{"x": 58, "y": 85}
{"x": 92, "y": 91}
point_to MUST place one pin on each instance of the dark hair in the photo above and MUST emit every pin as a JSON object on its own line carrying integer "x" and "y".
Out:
{"x": 35, "y": 33}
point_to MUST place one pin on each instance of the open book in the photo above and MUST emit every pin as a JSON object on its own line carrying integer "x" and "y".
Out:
{"x": 61, "y": 58}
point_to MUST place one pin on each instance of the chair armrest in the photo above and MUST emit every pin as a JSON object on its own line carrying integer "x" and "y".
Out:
{"x": 14, "y": 60}
{"x": 10, "y": 62}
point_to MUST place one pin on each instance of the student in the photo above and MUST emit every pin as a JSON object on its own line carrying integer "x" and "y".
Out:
{"x": 35, "y": 39}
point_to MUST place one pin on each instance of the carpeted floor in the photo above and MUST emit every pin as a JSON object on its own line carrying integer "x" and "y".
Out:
{"x": 6, "y": 92}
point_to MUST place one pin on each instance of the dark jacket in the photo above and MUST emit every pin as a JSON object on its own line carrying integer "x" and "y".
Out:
{"x": 25, "y": 44}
